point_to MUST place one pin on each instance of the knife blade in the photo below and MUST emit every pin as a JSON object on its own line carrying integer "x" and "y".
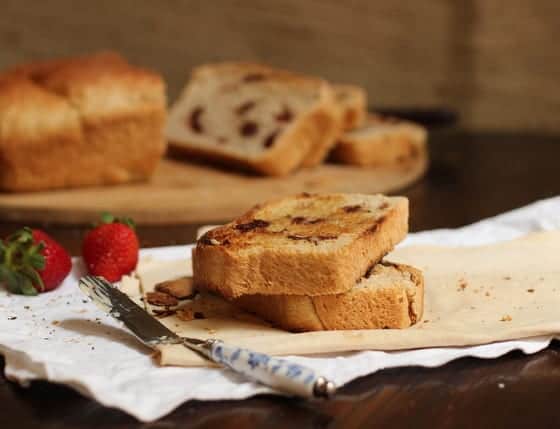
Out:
{"x": 280, "y": 374}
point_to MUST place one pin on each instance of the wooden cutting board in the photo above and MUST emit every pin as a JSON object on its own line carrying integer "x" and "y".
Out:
{"x": 180, "y": 192}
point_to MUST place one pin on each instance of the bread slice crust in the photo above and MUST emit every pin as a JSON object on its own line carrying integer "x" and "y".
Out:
{"x": 304, "y": 245}
{"x": 389, "y": 296}
{"x": 352, "y": 101}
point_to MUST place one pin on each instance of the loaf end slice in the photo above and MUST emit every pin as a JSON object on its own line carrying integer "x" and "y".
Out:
{"x": 304, "y": 245}
{"x": 389, "y": 296}
{"x": 382, "y": 141}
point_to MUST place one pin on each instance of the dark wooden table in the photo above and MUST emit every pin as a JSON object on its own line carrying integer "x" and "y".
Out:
{"x": 472, "y": 177}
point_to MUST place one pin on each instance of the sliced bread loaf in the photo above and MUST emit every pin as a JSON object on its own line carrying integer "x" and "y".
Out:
{"x": 352, "y": 101}
{"x": 304, "y": 245}
{"x": 388, "y": 296}
{"x": 254, "y": 116}
{"x": 381, "y": 141}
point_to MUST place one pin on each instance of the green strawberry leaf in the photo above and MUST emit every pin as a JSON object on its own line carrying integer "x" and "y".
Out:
{"x": 33, "y": 257}
{"x": 128, "y": 222}
{"x": 26, "y": 287}
{"x": 20, "y": 263}
{"x": 33, "y": 278}
{"x": 107, "y": 217}
{"x": 8, "y": 279}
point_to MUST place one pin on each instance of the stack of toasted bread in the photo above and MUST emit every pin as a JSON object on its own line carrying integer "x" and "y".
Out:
{"x": 273, "y": 121}
{"x": 314, "y": 262}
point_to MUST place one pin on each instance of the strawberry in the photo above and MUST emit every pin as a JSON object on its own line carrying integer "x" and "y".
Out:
{"x": 31, "y": 262}
{"x": 110, "y": 249}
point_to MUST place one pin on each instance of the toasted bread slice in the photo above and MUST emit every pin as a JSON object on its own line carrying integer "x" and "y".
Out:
{"x": 381, "y": 141}
{"x": 388, "y": 296}
{"x": 304, "y": 245}
{"x": 254, "y": 116}
{"x": 352, "y": 101}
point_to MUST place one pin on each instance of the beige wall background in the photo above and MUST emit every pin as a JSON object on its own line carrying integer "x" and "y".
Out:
{"x": 497, "y": 62}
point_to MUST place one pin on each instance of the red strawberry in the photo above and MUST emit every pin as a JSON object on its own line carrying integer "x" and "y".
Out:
{"x": 31, "y": 262}
{"x": 111, "y": 248}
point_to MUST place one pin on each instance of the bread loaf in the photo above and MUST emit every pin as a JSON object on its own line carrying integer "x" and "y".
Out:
{"x": 90, "y": 120}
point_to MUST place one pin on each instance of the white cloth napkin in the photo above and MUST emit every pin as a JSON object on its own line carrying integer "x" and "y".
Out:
{"x": 61, "y": 337}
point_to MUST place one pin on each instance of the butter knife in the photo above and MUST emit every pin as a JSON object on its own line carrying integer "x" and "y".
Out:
{"x": 279, "y": 374}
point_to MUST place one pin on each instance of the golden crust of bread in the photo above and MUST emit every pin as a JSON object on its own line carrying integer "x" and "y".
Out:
{"x": 306, "y": 141}
{"x": 326, "y": 130}
{"x": 389, "y": 296}
{"x": 382, "y": 141}
{"x": 90, "y": 120}
{"x": 29, "y": 114}
{"x": 350, "y": 107}
{"x": 304, "y": 245}
{"x": 257, "y": 72}
{"x": 98, "y": 85}
{"x": 352, "y": 101}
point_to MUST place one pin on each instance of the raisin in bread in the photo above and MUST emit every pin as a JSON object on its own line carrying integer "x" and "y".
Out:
{"x": 254, "y": 116}
{"x": 352, "y": 101}
{"x": 381, "y": 141}
{"x": 91, "y": 120}
{"x": 387, "y": 296}
{"x": 304, "y": 245}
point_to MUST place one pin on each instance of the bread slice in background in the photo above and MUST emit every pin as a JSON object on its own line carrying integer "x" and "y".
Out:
{"x": 91, "y": 120}
{"x": 388, "y": 296}
{"x": 254, "y": 116}
{"x": 303, "y": 245}
{"x": 352, "y": 101}
{"x": 381, "y": 141}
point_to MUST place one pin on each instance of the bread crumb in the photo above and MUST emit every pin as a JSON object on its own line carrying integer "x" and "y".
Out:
{"x": 163, "y": 313}
{"x": 210, "y": 331}
{"x": 507, "y": 278}
{"x": 506, "y": 318}
{"x": 462, "y": 285}
{"x": 530, "y": 290}
{"x": 186, "y": 314}
{"x": 55, "y": 322}
{"x": 487, "y": 294}
{"x": 426, "y": 321}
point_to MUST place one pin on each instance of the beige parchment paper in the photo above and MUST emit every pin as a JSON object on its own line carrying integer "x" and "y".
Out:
{"x": 473, "y": 295}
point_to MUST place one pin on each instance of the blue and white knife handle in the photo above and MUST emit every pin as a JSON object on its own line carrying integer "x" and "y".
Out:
{"x": 277, "y": 373}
